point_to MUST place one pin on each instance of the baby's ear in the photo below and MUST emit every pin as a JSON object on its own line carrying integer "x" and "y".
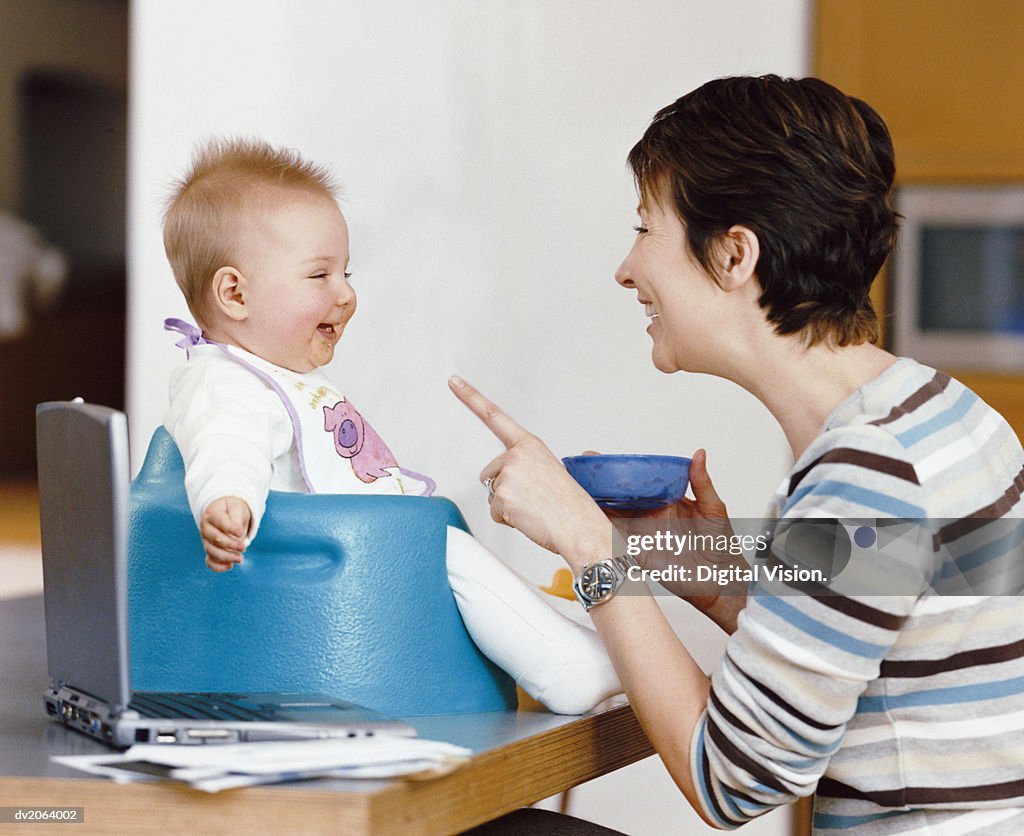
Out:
{"x": 229, "y": 290}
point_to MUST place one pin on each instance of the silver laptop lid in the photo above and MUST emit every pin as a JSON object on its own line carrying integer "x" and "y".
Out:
{"x": 82, "y": 454}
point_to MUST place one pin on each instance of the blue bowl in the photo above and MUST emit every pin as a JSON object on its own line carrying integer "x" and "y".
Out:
{"x": 631, "y": 480}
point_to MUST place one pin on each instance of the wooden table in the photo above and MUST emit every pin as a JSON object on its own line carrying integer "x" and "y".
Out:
{"x": 520, "y": 757}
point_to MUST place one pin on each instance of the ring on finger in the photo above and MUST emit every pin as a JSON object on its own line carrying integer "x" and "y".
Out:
{"x": 489, "y": 484}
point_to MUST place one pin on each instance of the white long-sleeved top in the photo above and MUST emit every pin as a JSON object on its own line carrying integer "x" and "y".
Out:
{"x": 237, "y": 438}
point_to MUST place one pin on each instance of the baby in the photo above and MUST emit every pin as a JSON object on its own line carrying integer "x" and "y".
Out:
{"x": 260, "y": 251}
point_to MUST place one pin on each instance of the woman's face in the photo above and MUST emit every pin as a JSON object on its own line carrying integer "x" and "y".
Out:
{"x": 677, "y": 293}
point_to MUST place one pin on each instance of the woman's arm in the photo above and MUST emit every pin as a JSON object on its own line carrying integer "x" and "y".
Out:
{"x": 533, "y": 493}
{"x": 667, "y": 689}
{"x": 766, "y": 729}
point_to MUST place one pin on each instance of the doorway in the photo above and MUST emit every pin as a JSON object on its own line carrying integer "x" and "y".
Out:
{"x": 68, "y": 182}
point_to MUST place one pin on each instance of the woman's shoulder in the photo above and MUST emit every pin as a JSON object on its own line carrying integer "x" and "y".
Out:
{"x": 910, "y": 444}
{"x": 905, "y": 390}
{"x": 916, "y": 405}
{"x": 855, "y": 468}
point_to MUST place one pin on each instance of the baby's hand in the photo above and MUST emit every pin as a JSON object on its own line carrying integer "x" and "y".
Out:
{"x": 224, "y": 525}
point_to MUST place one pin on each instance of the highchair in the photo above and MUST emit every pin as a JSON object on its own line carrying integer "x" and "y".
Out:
{"x": 342, "y": 594}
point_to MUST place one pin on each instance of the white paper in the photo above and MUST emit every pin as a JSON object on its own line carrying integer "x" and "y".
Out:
{"x": 215, "y": 767}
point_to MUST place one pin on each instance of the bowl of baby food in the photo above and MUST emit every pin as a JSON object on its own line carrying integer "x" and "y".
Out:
{"x": 631, "y": 480}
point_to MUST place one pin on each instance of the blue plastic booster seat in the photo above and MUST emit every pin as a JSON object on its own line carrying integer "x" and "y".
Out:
{"x": 343, "y": 595}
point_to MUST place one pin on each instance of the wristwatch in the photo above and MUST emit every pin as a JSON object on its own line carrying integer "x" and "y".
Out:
{"x": 597, "y": 582}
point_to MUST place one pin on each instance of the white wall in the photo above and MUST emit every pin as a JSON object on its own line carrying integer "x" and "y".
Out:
{"x": 481, "y": 146}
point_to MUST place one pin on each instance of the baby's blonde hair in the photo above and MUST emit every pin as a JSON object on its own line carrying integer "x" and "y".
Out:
{"x": 207, "y": 207}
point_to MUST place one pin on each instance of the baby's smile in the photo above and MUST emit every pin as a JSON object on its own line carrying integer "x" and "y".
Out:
{"x": 329, "y": 331}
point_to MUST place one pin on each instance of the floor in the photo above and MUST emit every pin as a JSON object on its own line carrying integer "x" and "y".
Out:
{"x": 21, "y": 571}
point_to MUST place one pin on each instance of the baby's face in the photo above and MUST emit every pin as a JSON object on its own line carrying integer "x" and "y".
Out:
{"x": 294, "y": 258}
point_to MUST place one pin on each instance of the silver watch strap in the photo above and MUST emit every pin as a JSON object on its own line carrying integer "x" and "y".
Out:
{"x": 623, "y": 563}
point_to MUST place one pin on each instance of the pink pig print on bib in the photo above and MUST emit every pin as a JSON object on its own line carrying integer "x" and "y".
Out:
{"x": 357, "y": 441}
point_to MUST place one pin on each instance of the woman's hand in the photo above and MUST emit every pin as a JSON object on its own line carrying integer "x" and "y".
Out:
{"x": 705, "y": 514}
{"x": 531, "y": 490}
{"x": 706, "y": 502}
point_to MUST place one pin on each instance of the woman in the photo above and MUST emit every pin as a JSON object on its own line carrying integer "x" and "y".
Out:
{"x": 765, "y": 213}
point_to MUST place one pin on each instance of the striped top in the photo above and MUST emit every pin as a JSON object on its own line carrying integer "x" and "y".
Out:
{"x": 896, "y": 690}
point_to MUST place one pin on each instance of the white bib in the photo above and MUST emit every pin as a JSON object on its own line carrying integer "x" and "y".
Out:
{"x": 337, "y": 450}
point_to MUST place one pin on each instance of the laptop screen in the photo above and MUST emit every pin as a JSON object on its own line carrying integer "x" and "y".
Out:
{"x": 82, "y": 453}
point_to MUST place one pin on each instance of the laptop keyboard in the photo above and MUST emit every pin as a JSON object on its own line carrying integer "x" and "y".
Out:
{"x": 197, "y": 706}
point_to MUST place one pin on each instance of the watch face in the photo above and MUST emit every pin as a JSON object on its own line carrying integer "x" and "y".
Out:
{"x": 597, "y": 582}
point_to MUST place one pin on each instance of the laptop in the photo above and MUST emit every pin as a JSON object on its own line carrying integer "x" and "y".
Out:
{"x": 82, "y": 452}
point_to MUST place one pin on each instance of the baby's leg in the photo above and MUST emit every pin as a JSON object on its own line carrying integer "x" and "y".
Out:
{"x": 558, "y": 662}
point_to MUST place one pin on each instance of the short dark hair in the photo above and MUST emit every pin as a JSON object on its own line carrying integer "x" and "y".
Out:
{"x": 807, "y": 168}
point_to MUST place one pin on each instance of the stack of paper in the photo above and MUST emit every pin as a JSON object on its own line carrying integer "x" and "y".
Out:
{"x": 215, "y": 767}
